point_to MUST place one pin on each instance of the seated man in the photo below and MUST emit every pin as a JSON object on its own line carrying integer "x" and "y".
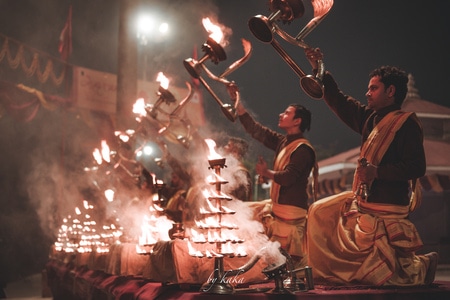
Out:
{"x": 364, "y": 236}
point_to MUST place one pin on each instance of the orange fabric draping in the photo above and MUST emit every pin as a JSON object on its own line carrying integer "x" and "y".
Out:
{"x": 23, "y": 102}
{"x": 34, "y": 68}
{"x": 364, "y": 247}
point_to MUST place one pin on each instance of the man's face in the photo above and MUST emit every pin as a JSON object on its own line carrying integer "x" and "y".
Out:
{"x": 176, "y": 180}
{"x": 379, "y": 96}
{"x": 286, "y": 119}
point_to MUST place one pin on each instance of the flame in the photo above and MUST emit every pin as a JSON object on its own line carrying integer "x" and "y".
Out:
{"x": 227, "y": 210}
{"x": 140, "y": 249}
{"x": 146, "y": 237}
{"x": 212, "y": 152}
{"x": 208, "y": 254}
{"x": 216, "y": 254}
{"x": 193, "y": 251}
{"x": 154, "y": 229}
{"x": 106, "y": 152}
{"x": 228, "y": 225}
{"x": 97, "y": 156}
{"x": 139, "y": 107}
{"x": 213, "y": 178}
{"x": 240, "y": 251}
{"x": 209, "y": 222}
{"x": 197, "y": 237}
{"x": 227, "y": 249}
{"x": 215, "y": 32}
{"x": 109, "y": 194}
{"x": 124, "y": 136}
{"x": 163, "y": 80}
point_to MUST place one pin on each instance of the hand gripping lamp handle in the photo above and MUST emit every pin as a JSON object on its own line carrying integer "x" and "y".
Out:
{"x": 195, "y": 68}
{"x": 263, "y": 28}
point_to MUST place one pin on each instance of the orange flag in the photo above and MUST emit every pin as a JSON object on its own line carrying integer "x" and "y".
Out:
{"x": 65, "y": 38}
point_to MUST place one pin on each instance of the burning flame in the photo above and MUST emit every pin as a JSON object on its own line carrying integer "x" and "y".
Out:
{"x": 106, "y": 152}
{"x": 197, "y": 237}
{"x": 213, "y": 178}
{"x": 163, "y": 80}
{"x": 212, "y": 152}
{"x": 109, "y": 194}
{"x": 215, "y": 32}
{"x": 97, "y": 156}
{"x": 139, "y": 107}
{"x": 125, "y": 136}
{"x": 193, "y": 251}
{"x": 86, "y": 205}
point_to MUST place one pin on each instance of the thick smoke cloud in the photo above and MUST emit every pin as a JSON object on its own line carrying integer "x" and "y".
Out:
{"x": 43, "y": 162}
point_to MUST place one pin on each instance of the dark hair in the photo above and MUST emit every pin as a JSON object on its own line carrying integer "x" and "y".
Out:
{"x": 393, "y": 76}
{"x": 303, "y": 113}
{"x": 240, "y": 146}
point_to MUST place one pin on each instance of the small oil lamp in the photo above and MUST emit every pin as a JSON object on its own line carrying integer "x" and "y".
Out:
{"x": 165, "y": 96}
{"x": 214, "y": 51}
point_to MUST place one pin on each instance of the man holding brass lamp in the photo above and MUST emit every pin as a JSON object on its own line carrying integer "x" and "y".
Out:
{"x": 364, "y": 236}
{"x": 294, "y": 160}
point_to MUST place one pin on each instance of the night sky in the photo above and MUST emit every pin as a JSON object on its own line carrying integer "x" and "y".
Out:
{"x": 356, "y": 37}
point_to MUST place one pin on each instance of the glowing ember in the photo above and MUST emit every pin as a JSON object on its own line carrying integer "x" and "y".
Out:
{"x": 163, "y": 80}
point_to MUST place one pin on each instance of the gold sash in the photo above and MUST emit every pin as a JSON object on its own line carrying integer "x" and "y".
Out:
{"x": 282, "y": 160}
{"x": 377, "y": 144}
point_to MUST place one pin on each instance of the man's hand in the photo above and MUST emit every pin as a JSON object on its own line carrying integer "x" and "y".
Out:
{"x": 366, "y": 173}
{"x": 313, "y": 55}
{"x": 261, "y": 167}
{"x": 233, "y": 91}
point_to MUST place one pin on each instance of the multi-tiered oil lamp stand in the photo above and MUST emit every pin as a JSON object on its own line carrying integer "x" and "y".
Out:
{"x": 218, "y": 285}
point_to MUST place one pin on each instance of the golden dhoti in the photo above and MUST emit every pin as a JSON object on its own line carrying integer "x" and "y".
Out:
{"x": 290, "y": 233}
{"x": 363, "y": 243}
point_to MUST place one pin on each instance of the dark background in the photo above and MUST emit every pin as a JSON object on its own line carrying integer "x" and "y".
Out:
{"x": 356, "y": 37}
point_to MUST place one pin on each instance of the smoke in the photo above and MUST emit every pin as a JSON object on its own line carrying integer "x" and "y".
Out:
{"x": 185, "y": 34}
{"x": 51, "y": 153}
